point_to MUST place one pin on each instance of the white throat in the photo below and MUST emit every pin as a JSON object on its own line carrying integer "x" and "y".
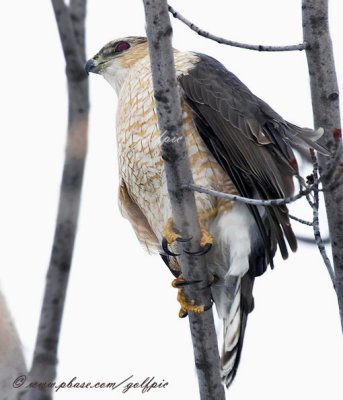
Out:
{"x": 115, "y": 75}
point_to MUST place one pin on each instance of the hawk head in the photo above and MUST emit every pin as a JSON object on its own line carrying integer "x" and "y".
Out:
{"x": 116, "y": 57}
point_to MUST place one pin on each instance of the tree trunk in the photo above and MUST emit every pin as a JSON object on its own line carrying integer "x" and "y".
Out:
{"x": 325, "y": 103}
{"x": 179, "y": 176}
{"x": 71, "y": 25}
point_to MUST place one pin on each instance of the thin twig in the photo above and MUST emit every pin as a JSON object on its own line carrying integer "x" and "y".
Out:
{"x": 312, "y": 240}
{"x": 218, "y": 39}
{"x": 282, "y": 201}
{"x": 316, "y": 228}
{"x": 309, "y": 200}
{"x": 246, "y": 200}
{"x": 302, "y": 221}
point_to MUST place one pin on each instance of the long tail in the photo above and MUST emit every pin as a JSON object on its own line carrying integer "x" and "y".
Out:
{"x": 234, "y": 328}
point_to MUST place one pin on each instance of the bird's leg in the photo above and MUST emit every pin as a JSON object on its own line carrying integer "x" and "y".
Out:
{"x": 188, "y": 306}
{"x": 206, "y": 240}
{"x": 170, "y": 236}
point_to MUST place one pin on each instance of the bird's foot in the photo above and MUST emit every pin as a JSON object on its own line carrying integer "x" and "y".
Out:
{"x": 170, "y": 236}
{"x": 206, "y": 242}
{"x": 187, "y": 306}
{"x": 180, "y": 281}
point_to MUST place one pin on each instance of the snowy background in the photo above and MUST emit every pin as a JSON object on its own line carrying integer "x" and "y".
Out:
{"x": 121, "y": 311}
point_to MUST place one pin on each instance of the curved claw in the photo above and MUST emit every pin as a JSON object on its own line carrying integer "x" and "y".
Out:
{"x": 177, "y": 284}
{"x": 182, "y": 240}
{"x": 183, "y": 314}
{"x": 208, "y": 307}
{"x": 213, "y": 279}
{"x": 166, "y": 249}
{"x": 202, "y": 252}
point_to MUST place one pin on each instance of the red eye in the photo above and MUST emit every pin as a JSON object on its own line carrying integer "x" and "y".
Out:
{"x": 122, "y": 46}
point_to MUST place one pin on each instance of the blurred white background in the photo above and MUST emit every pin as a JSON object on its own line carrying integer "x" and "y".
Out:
{"x": 121, "y": 311}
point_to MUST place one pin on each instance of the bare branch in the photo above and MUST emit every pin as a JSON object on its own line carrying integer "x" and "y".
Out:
{"x": 325, "y": 103}
{"x": 301, "y": 221}
{"x": 277, "y": 202}
{"x": 246, "y": 200}
{"x": 77, "y": 12}
{"x": 45, "y": 355}
{"x": 179, "y": 176}
{"x": 312, "y": 240}
{"x": 315, "y": 224}
{"x": 218, "y": 39}
{"x": 69, "y": 41}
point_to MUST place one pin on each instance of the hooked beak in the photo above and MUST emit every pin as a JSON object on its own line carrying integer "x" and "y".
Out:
{"x": 92, "y": 66}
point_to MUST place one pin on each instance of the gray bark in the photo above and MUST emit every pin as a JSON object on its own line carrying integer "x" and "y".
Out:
{"x": 70, "y": 22}
{"x": 325, "y": 103}
{"x": 247, "y": 200}
{"x": 179, "y": 177}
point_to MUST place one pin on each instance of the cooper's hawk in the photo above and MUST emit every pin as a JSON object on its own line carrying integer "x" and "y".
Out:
{"x": 236, "y": 144}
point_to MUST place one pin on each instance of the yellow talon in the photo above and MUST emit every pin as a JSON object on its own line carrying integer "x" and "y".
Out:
{"x": 186, "y": 306}
{"x": 169, "y": 233}
{"x": 206, "y": 237}
{"x": 171, "y": 236}
{"x": 177, "y": 280}
{"x": 205, "y": 216}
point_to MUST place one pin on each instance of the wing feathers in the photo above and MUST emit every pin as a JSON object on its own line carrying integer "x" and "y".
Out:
{"x": 248, "y": 138}
{"x": 252, "y": 143}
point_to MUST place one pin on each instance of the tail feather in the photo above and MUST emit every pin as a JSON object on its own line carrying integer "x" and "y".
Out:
{"x": 234, "y": 329}
{"x": 305, "y": 137}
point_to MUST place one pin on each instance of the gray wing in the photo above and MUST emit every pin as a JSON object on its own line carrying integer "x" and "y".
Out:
{"x": 250, "y": 141}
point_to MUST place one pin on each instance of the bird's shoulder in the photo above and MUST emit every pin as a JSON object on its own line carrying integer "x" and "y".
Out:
{"x": 209, "y": 80}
